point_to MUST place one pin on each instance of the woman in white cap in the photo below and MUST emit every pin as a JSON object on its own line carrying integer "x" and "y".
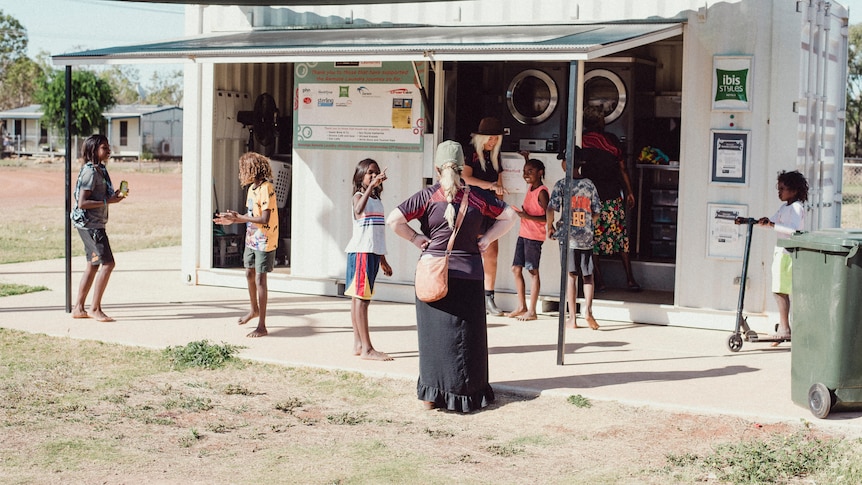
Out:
{"x": 483, "y": 169}
{"x": 452, "y": 332}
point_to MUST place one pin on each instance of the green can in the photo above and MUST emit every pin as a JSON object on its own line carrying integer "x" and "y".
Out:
{"x": 826, "y": 318}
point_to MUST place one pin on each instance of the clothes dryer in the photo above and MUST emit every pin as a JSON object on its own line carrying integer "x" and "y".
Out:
{"x": 625, "y": 88}
{"x": 535, "y": 105}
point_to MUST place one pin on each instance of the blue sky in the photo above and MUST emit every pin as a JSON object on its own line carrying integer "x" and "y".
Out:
{"x": 855, "y": 7}
{"x": 60, "y": 26}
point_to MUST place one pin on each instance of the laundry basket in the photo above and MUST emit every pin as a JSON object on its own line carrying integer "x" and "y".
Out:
{"x": 281, "y": 173}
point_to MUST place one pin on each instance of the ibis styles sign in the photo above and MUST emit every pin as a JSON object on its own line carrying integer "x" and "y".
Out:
{"x": 731, "y": 83}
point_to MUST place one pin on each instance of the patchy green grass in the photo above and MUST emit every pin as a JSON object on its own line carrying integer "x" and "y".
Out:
{"x": 202, "y": 354}
{"x": 579, "y": 401}
{"x": 10, "y": 289}
{"x": 800, "y": 457}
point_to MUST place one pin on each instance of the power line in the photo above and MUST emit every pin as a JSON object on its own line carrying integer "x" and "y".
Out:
{"x": 129, "y": 6}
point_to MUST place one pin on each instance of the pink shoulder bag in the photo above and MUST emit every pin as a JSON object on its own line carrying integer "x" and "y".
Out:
{"x": 432, "y": 272}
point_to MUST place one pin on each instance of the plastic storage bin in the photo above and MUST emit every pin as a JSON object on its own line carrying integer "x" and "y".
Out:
{"x": 826, "y": 360}
{"x": 227, "y": 250}
{"x": 665, "y": 197}
{"x": 664, "y": 215}
{"x": 663, "y": 249}
{"x": 664, "y": 232}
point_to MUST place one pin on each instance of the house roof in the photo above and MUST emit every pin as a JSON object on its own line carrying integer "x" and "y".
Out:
{"x": 268, "y": 3}
{"x": 34, "y": 111}
{"x": 31, "y": 112}
{"x": 400, "y": 42}
{"x": 135, "y": 110}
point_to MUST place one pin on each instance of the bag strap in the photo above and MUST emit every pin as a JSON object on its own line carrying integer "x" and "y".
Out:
{"x": 465, "y": 201}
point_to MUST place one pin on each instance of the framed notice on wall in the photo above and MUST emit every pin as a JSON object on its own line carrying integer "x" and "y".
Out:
{"x": 729, "y": 155}
{"x": 725, "y": 240}
{"x": 731, "y": 83}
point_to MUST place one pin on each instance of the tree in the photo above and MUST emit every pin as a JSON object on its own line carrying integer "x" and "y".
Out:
{"x": 166, "y": 89}
{"x": 20, "y": 82}
{"x": 91, "y": 96}
{"x": 13, "y": 57}
{"x": 853, "y": 120}
{"x": 13, "y": 41}
{"x": 124, "y": 83}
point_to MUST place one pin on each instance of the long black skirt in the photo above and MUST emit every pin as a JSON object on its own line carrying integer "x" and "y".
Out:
{"x": 453, "y": 348}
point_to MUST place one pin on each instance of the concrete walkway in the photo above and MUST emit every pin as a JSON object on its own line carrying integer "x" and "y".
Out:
{"x": 678, "y": 369}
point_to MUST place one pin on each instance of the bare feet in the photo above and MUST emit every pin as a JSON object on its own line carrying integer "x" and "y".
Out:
{"x": 100, "y": 316}
{"x": 428, "y": 405}
{"x": 517, "y": 312}
{"x": 357, "y": 348}
{"x": 258, "y": 332}
{"x": 572, "y": 323}
{"x": 79, "y": 313}
{"x": 592, "y": 322}
{"x": 375, "y": 355}
{"x": 245, "y": 319}
{"x": 527, "y": 316}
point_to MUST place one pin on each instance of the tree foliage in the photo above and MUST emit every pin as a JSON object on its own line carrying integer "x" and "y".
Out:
{"x": 91, "y": 96}
{"x": 853, "y": 126}
{"x": 19, "y": 83}
{"x": 166, "y": 89}
{"x": 124, "y": 83}
{"x": 15, "y": 87}
{"x": 13, "y": 41}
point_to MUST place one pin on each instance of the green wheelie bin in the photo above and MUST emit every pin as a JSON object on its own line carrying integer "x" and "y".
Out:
{"x": 826, "y": 317}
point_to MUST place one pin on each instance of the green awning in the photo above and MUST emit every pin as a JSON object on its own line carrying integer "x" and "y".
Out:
{"x": 387, "y": 43}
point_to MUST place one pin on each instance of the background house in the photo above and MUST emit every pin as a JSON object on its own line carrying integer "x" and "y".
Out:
{"x": 24, "y": 132}
{"x": 145, "y": 131}
{"x": 135, "y": 131}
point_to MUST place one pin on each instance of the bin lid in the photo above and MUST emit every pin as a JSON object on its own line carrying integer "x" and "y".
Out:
{"x": 834, "y": 240}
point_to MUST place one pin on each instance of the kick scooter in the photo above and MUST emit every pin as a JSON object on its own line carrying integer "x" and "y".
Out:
{"x": 743, "y": 331}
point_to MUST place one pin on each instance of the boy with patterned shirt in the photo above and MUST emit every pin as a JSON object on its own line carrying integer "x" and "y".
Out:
{"x": 586, "y": 207}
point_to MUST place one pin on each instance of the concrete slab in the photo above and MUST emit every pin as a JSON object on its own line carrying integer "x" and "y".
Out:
{"x": 673, "y": 368}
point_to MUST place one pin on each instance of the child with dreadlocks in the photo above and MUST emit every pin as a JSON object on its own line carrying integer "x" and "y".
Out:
{"x": 261, "y": 234}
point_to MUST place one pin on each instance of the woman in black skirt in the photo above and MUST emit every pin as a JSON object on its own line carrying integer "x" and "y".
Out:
{"x": 453, "y": 337}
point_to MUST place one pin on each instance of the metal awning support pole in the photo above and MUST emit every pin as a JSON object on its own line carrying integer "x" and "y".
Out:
{"x": 68, "y": 189}
{"x": 574, "y": 127}
{"x": 429, "y": 111}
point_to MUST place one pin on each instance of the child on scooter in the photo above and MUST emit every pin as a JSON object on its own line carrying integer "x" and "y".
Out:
{"x": 790, "y": 217}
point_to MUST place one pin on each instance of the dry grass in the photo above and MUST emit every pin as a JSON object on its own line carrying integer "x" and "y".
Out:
{"x": 32, "y": 194}
{"x": 85, "y": 412}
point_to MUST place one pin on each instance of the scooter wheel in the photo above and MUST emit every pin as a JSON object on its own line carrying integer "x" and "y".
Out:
{"x": 734, "y": 342}
{"x": 820, "y": 400}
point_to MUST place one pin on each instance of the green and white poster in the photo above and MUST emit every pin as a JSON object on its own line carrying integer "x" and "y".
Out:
{"x": 731, "y": 83}
{"x": 357, "y": 106}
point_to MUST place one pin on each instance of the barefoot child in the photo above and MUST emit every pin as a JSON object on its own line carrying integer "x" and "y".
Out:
{"x": 261, "y": 234}
{"x": 585, "y": 211}
{"x": 366, "y": 253}
{"x": 790, "y": 217}
{"x": 528, "y": 249}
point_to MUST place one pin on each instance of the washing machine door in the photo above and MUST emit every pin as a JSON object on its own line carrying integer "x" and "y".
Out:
{"x": 605, "y": 88}
{"x": 532, "y": 96}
